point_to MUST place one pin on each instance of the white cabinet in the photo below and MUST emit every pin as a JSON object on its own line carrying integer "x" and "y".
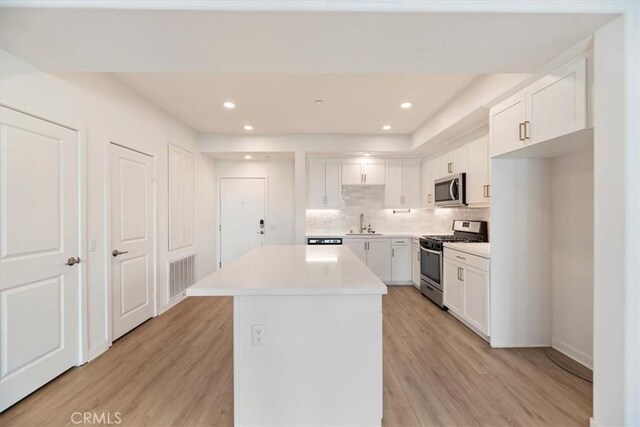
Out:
{"x": 415, "y": 263}
{"x": 324, "y": 185}
{"x": 466, "y": 289}
{"x": 375, "y": 253}
{"x": 428, "y": 175}
{"x": 553, "y": 106}
{"x": 401, "y": 261}
{"x": 181, "y": 197}
{"x": 454, "y": 161}
{"x": 363, "y": 172}
{"x": 402, "y": 188}
{"x": 478, "y": 172}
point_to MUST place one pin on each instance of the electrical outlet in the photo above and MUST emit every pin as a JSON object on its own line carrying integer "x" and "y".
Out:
{"x": 259, "y": 337}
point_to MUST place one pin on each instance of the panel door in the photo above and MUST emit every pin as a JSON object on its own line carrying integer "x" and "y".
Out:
{"x": 478, "y": 171}
{"x": 39, "y": 225}
{"x": 401, "y": 264}
{"x": 379, "y": 258}
{"x": 411, "y": 183}
{"x": 476, "y": 298}
{"x": 132, "y": 239}
{"x": 393, "y": 187}
{"x": 460, "y": 159}
{"x": 557, "y": 103}
{"x": 333, "y": 184}
{"x": 374, "y": 172}
{"x": 180, "y": 200}
{"x": 352, "y": 172}
{"x": 415, "y": 264}
{"x": 505, "y": 132}
{"x": 453, "y": 286}
{"x": 358, "y": 246}
{"x": 242, "y": 216}
{"x": 316, "y": 184}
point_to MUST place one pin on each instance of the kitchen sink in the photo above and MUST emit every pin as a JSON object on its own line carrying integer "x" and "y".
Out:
{"x": 364, "y": 234}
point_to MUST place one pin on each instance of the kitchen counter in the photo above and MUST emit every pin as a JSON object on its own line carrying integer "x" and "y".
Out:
{"x": 381, "y": 235}
{"x": 479, "y": 249}
{"x": 292, "y": 270}
{"x": 307, "y": 336}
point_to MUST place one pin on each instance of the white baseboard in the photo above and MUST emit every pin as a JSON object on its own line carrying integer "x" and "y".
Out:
{"x": 593, "y": 423}
{"x": 175, "y": 301}
{"x": 571, "y": 352}
{"x": 98, "y": 350}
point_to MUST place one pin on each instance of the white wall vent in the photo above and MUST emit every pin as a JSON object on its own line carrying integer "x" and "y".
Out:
{"x": 182, "y": 274}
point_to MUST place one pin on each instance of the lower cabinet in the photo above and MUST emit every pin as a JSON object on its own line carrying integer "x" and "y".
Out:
{"x": 466, "y": 289}
{"x": 375, "y": 253}
{"x": 401, "y": 262}
{"x": 415, "y": 263}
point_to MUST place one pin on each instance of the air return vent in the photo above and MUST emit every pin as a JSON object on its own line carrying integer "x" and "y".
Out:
{"x": 182, "y": 274}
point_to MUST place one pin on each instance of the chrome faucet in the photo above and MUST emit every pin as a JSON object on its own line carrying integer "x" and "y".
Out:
{"x": 362, "y": 228}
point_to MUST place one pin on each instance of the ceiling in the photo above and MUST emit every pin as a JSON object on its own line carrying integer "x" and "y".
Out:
{"x": 275, "y": 64}
{"x": 285, "y": 103}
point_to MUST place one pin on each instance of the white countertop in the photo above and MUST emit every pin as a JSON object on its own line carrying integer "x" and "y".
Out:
{"x": 479, "y": 249}
{"x": 292, "y": 270}
{"x": 388, "y": 235}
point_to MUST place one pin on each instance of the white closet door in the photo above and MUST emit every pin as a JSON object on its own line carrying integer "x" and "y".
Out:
{"x": 39, "y": 225}
{"x": 180, "y": 200}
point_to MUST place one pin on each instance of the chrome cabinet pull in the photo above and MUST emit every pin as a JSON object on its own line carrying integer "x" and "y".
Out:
{"x": 521, "y": 131}
{"x": 527, "y": 128}
{"x": 73, "y": 261}
{"x": 393, "y": 252}
{"x": 460, "y": 257}
{"x": 117, "y": 252}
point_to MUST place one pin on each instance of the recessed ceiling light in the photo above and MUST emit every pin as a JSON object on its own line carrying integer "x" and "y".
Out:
{"x": 367, "y": 154}
{"x": 406, "y": 105}
{"x": 386, "y": 127}
{"x": 248, "y": 127}
{"x": 318, "y": 101}
{"x": 247, "y": 157}
{"x": 229, "y": 105}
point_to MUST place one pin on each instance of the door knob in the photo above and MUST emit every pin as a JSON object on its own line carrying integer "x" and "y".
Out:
{"x": 117, "y": 252}
{"x": 73, "y": 261}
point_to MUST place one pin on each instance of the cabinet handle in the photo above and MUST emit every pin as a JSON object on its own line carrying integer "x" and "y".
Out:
{"x": 527, "y": 128}
{"x": 460, "y": 257}
{"x": 418, "y": 254}
{"x": 488, "y": 195}
{"x": 361, "y": 178}
{"x": 393, "y": 252}
{"x": 521, "y": 131}
{"x": 450, "y": 167}
{"x": 365, "y": 178}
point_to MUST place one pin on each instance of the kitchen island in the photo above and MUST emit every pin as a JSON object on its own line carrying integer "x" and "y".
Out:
{"x": 307, "y": 336}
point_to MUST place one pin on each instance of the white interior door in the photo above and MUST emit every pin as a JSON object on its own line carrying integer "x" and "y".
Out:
{"x": 242, "y": 216}
{"x": 132, "y": 239}
{"x": 39, "y": 226}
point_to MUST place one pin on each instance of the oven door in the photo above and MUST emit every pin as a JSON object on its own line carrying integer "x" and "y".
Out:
{"x": 431, "y": 267}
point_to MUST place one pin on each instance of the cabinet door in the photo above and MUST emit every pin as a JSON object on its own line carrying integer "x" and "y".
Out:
{"x": 478, "y": 171}
{"x": 401, "y": 264}
{"x": 460, "y": 159}
{"x": 393, "y": 187}
{"x": 379, "y": 258}
{"x": 446, "y": 163}
{"x": 415, "y": 265}
{"x": 352, "y": 172}
{"x": 411, "y": 180}
{"x": 358, "y": 247}
{"x": 374, "y": 172}
{"x": 332, "y": 184}
{"x": 436, "y": 166}
{"x": 505, "y": 132}
{"x": 427, "y": 183}
{"x": 557, "y": 103}
{"x": 452, "y": 286}
{"x": 476, "y": 298}
{"x": 315, "y": 184}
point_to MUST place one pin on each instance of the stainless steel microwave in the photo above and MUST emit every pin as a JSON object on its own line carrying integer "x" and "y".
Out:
{"x": 450, "y": 191}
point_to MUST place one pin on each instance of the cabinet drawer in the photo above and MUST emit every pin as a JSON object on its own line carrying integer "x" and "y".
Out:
{"x": 400, "y": 242}
{"x": 468, "y": 259}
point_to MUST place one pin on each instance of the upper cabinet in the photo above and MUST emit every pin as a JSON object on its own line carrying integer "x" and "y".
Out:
{"x": 454, "y": 161}
{"x": 479, "y": 170}
{"x": 363, "y": 172}
{"x": 324, "y": 185}
{"x": 403, "y": 184}
{"x": 553, "y": 106}
{"x": 180, "y": 197}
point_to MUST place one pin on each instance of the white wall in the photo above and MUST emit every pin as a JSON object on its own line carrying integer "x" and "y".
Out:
{"x": 109, "y": 111}
{"x": 572, "y": 255}
{"x": 281, "y": 201}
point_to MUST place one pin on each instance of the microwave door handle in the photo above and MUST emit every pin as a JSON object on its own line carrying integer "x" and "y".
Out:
{"x": 453, "y": 182}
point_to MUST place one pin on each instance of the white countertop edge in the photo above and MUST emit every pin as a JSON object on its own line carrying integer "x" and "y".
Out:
{"x": 482, "y": 250}
{"x": 219, "y": 292}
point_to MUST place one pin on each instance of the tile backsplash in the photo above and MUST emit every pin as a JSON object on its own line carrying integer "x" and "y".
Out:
{"x": 370, "y": 201}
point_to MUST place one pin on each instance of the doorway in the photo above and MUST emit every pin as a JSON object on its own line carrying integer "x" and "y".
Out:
{"x": 132, "y": 239}
{"x": 242, "y": 216}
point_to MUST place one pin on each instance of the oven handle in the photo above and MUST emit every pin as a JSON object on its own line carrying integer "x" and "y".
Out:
{"x": 430, "y": 251}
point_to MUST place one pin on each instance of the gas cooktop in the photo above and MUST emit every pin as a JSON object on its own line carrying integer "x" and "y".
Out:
{"x": 453, "y": 238}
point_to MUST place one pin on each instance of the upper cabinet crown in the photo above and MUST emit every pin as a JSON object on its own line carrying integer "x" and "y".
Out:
{"x": 324, "y": 184}
{"x": 363, "y": 172}
{"x": 402, "y": 187}
{"x": 553, "y": 106}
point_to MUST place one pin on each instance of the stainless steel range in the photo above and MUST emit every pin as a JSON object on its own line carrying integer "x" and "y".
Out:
{"x": 431, "y": 255}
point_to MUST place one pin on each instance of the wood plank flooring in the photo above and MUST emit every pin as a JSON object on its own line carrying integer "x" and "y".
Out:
{"x": 176, "y": 370}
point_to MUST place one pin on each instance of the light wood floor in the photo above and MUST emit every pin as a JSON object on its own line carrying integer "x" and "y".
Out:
{"x": 176, "y": 370}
